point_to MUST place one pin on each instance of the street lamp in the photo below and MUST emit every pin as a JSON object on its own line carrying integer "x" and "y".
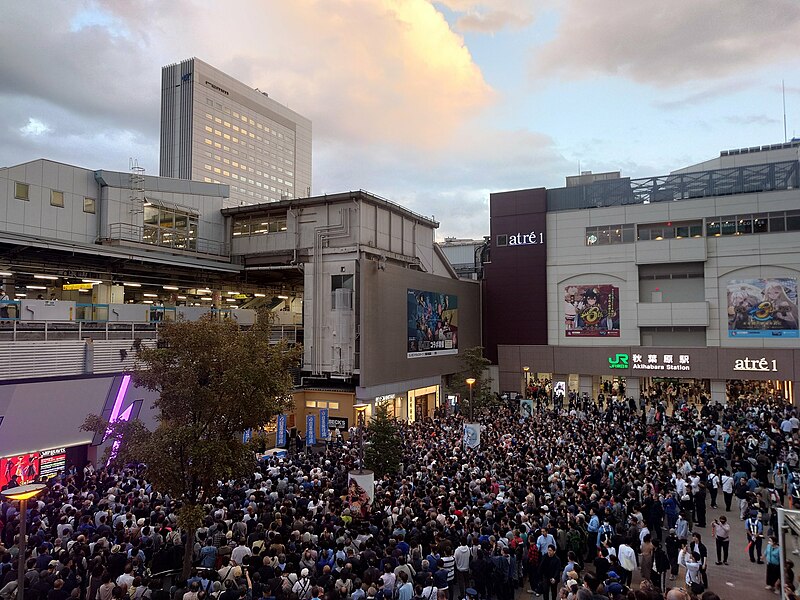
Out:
{"x": 22, "y": 493}
{"x": 361, "y": 422}
{"x": 470, "y": 383}
{"x": 525, "y": 381}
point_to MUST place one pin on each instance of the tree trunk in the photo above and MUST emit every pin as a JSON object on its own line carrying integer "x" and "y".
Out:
{"x": 188, "y": 550}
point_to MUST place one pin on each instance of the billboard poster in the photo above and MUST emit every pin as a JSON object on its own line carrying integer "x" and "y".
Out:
{"x": 432, "y": 324}
{"x": 280, "y": 435}
{"x": 24, "y": 466}
{"x": 360, "y": 492}
{"x": 762, "y": 308}
{"x": 52, "y": 462}
{"x": 591, "y": 311}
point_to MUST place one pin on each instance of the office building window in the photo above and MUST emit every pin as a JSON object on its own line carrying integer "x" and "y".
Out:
{"x": 89, "y": 205}
{"x": 772, "y": 222}
{"x": 21, "y": 191}
{"x": 57, "y": 198}
{"x": 258, "y": 225}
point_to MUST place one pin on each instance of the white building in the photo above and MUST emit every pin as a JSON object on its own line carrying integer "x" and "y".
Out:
{"x": 216, "y": 129}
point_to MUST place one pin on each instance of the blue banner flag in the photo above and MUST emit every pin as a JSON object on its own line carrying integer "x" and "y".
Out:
{"x": 324, "y": 430}
{"x": 280, "y": 437}
{"x": 247, "y": 435}
{"x": 311, "y": 434}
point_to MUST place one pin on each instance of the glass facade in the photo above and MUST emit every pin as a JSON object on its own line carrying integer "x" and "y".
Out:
{"x": 170, "y": 227}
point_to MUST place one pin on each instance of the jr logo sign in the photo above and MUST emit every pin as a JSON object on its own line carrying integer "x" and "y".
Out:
{"x": 619, "y": 361}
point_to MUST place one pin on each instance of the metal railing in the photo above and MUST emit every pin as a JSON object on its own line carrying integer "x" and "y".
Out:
{"x": 783, "y": 175}
{"x": 173, "y": 239}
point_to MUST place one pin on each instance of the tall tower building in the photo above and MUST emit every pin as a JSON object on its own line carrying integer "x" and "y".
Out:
{"x": 218, "y": 130}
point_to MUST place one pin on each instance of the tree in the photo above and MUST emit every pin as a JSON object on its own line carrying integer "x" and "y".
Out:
{"x": 382, "y": 453}
{"x": 214, "y": 381}
{"x": 474, "y": 365}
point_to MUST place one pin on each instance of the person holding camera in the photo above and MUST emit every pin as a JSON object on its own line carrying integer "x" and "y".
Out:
{"x": 721, "y": 532}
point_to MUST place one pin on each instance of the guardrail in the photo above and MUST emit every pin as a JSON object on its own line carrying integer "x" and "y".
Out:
{"x": 176, "y": 239}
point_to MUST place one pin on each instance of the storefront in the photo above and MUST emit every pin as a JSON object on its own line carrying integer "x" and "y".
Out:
{"x": 405, "y": 400}
{"x": 636, "y": 369}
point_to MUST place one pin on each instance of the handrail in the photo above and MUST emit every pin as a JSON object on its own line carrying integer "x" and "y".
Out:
{"x": 177, "y": 240}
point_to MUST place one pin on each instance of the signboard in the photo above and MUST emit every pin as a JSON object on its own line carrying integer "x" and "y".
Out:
{"x": 763, "y": 308}
{"x": 340, "y": 423}
{"x": 324, "y": 429}
{"x": 526, "y": 408}
{"x": 651, "y": 362}
{"x": 432, "y": 324}
{"x": 591, "y": 311}
{"x": 280, "y": 436}
{"x": 755, "y": 364}
{"x": 51, "y": 462}
{"x": 311, "y": 434}
{"x": 76, "y": 286}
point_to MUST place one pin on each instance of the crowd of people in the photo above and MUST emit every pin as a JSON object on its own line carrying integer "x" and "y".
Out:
{"x": 588, "y": 501}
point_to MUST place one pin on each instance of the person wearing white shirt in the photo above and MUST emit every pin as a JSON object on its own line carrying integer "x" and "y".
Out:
{"x": 627, "y": 561}
{"x": 726, "y": 481}
{"x": 238, "y": 553}
{"x": 680, "y": 485}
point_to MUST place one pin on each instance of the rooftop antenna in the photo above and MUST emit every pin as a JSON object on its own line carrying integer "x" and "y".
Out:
{"x": 783, "y": 91}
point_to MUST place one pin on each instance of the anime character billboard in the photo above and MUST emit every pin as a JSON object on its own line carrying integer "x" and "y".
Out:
{"x": 762, "y": 308}
{"x": 432, "y": 324}
{"x": 591, "y": 311}
{"x": 24, "y": 467}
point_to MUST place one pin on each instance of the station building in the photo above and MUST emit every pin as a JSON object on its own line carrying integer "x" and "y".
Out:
{"x": 687, "y": 279}
{"x": 94, "y": 261}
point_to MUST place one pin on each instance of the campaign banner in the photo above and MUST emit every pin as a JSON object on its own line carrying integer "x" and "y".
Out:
{"x": 324, "y": 429}
{"x": 432, "y": 324}
{"x": 311, "y": 434}
{"x": 591, "y": 311}
{"x": 526, "y": 408}
{"x": 762, "y": 308}
{"x": 280, "y": 435}
{"x": 472, "y": 435}
{"x": 247, "y": 435}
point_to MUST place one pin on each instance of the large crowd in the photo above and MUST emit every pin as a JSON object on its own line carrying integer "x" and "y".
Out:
{"x": 583, "y": 501}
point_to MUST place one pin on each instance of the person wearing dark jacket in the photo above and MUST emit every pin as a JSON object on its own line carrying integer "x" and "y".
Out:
{"x": 550, "y": 572}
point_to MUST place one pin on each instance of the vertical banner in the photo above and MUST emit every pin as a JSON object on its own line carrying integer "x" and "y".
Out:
{"x": 472, "y": 435}
{"x": 280, "y": 436}
{"x": 324, "y": 430}
{"x": 311, "y": 433}
{"x": 247, "y": 435}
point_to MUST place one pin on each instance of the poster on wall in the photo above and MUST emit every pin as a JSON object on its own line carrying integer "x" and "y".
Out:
{"x": 432, "y": 324}
{"x": 762, "y": 308}
{"x": 591, "y": 311}
{"x": 25, "y": 467}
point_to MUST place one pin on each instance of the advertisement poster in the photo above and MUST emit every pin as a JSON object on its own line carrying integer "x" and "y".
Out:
{"x": 591, "y": 311}
{"x": 25, "y": 467}
{"x": 360, "y": 492}
{"x": 432, "y": 324}
{"x": 52, "y": 462}
{"x": 762, "y": 308}
{"x": 472, "y": 435}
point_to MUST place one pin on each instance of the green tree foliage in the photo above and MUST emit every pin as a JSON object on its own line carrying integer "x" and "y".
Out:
{"x": 382, "y": 452}
{"x": 214, "y": 381}
{"x": 475, "y": 365}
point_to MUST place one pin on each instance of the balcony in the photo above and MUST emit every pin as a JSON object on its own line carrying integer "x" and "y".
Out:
{"x": 672, "y": 314}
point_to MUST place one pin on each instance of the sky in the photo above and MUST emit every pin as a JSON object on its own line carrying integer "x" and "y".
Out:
{"x": 433, "y": 104}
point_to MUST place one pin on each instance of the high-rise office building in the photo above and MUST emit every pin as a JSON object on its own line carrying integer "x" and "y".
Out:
{"x": 218, "y": 130}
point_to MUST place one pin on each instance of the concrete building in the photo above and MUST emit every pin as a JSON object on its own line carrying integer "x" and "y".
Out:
{"x": 216, "y": 129}
{"x": 690, "y": 276}
{"x": 467, "y": 256}
{"x": 94, "y": 261}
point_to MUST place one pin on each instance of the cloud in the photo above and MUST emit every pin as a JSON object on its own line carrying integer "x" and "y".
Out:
{"x": 490, "y": 16}
{"x": 669, "y": 43}
{"x": 34, "y": 127}
{"x": 704, "y": 95}
{"x": 752, "y": 120}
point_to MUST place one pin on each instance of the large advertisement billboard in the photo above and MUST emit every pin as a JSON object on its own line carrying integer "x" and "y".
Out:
{"x": 24, "y": 467}
{"x": 762, "y": 308}
{"x": 591, "y": 311}
{"x": 432, "y": 324}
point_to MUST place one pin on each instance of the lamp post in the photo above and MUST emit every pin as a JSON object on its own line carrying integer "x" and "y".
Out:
{"x": 22, "y": 493}
{"x": 525, "y": 381}
{"x": 361, "y": 421}
{"x": 470, "y": 383}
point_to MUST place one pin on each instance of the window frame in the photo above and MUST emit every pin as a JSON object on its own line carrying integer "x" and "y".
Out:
{"x": 54, "y": 194}
{"x": 18, "y": 186}
{"x": 90, "y": 205}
